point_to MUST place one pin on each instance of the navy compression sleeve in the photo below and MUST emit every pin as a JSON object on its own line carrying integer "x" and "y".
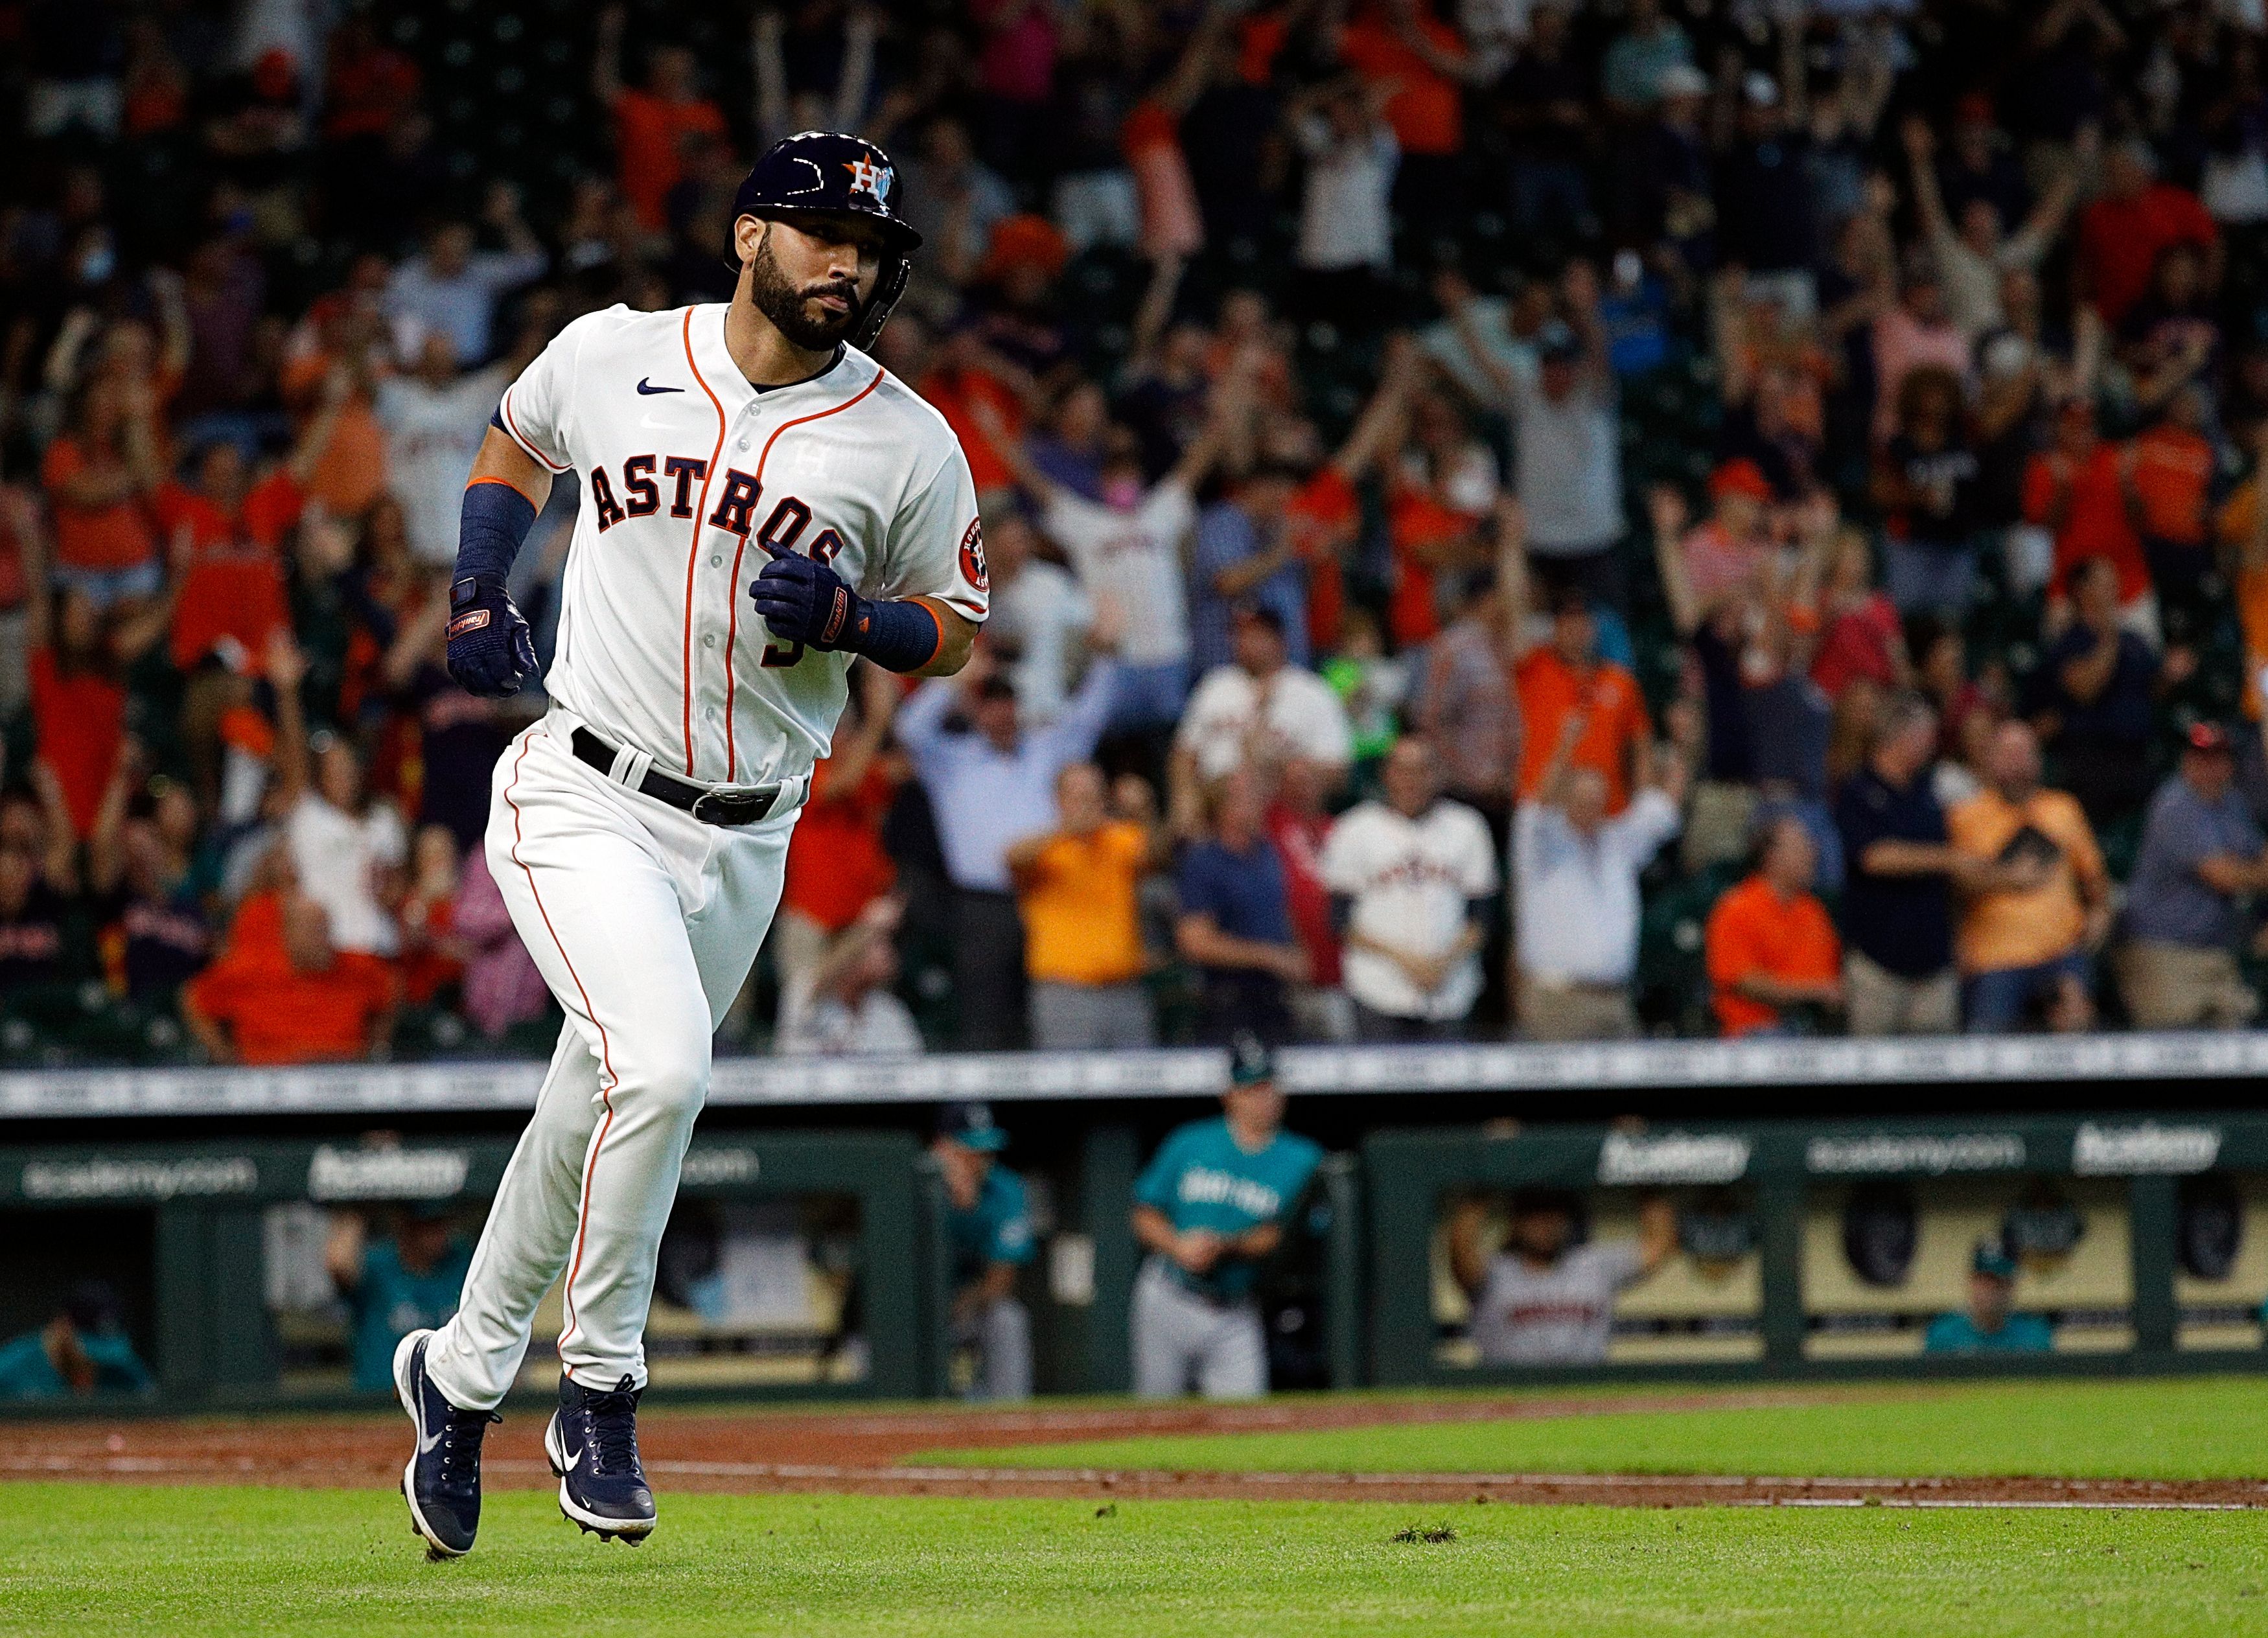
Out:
{"x": 490, "y": 529}
{"x": 901, "y": 636}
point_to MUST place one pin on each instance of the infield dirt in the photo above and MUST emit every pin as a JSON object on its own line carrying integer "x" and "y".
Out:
{"x": 873, "y": 1451}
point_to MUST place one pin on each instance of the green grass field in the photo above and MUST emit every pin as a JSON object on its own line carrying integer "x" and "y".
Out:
{"x": 105, "y": 1558}
{"x": 213, "y": 1561}
{"x": 2193, "y": 1428}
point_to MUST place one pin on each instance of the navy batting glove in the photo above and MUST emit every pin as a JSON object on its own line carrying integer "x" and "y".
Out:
{"x": 806, "y": 602}
{"x": 491, "y": 651}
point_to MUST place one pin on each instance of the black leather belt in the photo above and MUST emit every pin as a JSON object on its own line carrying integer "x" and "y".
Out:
{"x": 728, "y": 805}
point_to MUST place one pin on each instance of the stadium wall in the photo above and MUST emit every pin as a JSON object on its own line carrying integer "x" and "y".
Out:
{"x": 2135, "y": 1179}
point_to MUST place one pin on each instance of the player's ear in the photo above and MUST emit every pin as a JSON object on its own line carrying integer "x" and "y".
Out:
{"x": 747, "y": 235}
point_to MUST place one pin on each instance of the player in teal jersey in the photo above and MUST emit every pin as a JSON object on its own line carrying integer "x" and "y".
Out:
{"x": 1988, "y": 1326}
{"x": 988, "y": 1227}
{"x": 83, "y": 1349}
{"x": 1209, "y": 1208}
{"x": 394, "y": 1284}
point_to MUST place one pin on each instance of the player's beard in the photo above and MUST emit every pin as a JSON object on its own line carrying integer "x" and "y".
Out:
{"x": 789, "y": 309}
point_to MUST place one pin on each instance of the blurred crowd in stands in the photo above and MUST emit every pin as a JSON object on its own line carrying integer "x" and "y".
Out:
{"x": 1563, "y": 519}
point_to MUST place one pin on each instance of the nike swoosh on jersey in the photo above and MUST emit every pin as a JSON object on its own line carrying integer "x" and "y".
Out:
{"x": 646, "y": 388}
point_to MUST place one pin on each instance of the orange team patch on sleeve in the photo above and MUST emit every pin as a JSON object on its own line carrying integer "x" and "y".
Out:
{"x": 972, "y": 555}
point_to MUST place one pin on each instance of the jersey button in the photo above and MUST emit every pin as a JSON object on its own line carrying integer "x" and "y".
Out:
{"x": 718, "y": 561}
{"x": 709, "y": 642}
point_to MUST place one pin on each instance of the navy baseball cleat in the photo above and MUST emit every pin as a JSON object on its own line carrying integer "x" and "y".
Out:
{"x": 442, "y": 1483}
{"x": 591, "y": 1442}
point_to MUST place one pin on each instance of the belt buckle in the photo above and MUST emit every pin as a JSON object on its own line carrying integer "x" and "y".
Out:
{"x": 738, "y": 806}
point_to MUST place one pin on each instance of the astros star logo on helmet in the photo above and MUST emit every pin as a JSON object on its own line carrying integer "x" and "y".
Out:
{"x": 866, "y": 177}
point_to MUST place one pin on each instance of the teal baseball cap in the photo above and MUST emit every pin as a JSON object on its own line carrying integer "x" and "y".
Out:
{"x": 1250, "y": 1063}
{"x": 1992, "y": 1261}
{"x": 970, "y": 1124}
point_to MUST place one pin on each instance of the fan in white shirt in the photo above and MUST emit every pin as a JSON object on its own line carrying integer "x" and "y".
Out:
{"x": 344, "y": 845}
{"x": 1409, "y": 878}
{"x": 1040, "y": 614}
{"x": 1127, "y": 553}
{"x": 1262, "y": 710}
{"x": 435, "y": 420}
{"x": 1575, "y": 883}
{"x": 844, "y": 1005}
{"x": 1346, "y": 217}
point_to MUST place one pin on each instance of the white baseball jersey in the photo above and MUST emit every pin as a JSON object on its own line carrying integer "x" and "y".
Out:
{"x": 1563, "y": 1315}
{"x": 1298, "y": 708}
{"x": 1409, "y": 880}
{"x": 691, "y": 473}
{"x": 1132, "y": 558}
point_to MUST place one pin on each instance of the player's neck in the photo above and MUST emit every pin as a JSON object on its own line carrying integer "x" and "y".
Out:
{"x": 762, "y": 354}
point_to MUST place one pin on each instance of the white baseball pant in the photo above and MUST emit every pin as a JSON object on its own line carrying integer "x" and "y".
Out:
{"x": 1177, "y": 1336}
{"x": 644, "y": 922}
{"x": 1001, "y": 1334}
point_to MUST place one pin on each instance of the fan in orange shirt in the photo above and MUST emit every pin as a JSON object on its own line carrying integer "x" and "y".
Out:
{"x": 651, "y": 124}
{"x": 346, "y": 326}
{"x": 99, "y": 474}
{"x": 1564, "y": 679}
{"x": 2025, "y": 941}
{"x": 1423, "y": 58}
{"x": 78, "y": 662}
{"x": 280, "y": 993}
{"x": 1078, "y": 887}
{"x": 836, "y": 864}
{"x": 1418, "y": 64}
{"x": 1438, "y": 496}
{"x": 1770, "y": 945}
{"x": 1325, "y": 513}
{"x": 225, "y": 536}
{"x": 2243, "y": 526}
{"x": 976, "y": 391}
{"x": 2073, "y": 489}
{"x": 2167, "y": 472}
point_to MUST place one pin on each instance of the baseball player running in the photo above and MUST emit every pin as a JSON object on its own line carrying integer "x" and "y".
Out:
{"x": 765, "y": 503}
{"x": 1209, "y": 1208}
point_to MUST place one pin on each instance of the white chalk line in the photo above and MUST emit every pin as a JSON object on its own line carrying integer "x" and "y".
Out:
{"x": 1889, "y": 1492}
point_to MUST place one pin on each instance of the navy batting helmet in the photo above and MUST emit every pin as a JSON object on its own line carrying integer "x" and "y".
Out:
{"x": 831, "y": 173}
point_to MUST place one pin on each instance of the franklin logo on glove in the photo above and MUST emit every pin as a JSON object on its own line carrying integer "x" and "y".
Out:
{"x": 491, "y": 651}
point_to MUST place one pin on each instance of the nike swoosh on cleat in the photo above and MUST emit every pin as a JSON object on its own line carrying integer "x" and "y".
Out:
{"x": 426, "y": 1442}
{"x": 646, "y": 389}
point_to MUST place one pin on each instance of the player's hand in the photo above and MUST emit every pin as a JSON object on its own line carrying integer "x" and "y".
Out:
{"x": 491, "y": 651}
{"x": 804, "y": 601}
{"x": 1198, "y": 1250}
